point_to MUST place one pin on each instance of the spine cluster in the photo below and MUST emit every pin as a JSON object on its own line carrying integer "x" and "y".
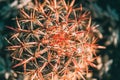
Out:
{"x": 54, "y": 40}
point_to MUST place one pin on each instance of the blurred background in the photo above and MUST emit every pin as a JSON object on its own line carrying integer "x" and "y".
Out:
{"x": 105, "y": 13}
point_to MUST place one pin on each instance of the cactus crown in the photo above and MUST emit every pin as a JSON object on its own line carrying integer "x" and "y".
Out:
{"x": 54, "y": 40}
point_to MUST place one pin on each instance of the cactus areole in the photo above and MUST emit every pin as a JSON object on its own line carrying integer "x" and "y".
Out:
{"x": 54, "y": 40}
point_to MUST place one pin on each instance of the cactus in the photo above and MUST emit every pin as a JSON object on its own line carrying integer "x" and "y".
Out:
{"x": 54, "y": 40}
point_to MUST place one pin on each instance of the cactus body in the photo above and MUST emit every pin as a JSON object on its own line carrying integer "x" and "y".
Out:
{"x": 54, "y": 40}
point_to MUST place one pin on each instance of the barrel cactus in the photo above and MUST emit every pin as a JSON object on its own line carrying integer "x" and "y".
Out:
{"x": 54, "y": 40}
